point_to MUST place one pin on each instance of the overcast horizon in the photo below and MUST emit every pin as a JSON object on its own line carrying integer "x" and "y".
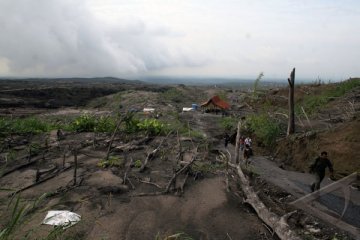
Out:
{"x": 198, "y": 38}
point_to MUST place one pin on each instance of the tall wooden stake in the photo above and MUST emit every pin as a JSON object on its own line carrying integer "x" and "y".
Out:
{"x": 291, "y": 124}
{"x": 237, "y": 145}
{"x": 75, "y": 165}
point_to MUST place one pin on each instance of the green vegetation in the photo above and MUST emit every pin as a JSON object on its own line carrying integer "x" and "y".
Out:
{"x": 138, "y": 163}
{"x": 228, "y": 123}
{"x": 131, "y": 124}
{"x": 18, "y": 215}
{"x": 175, "y": 124}
{"x": 173, "y": 95}
{"x": 256, "y": 84}
{"x": 111, "y": 162}
{"x": 265, "y": 128}
{"x": 312, "y": 103}
{"x": 30, "y": 125}
{"x": 91, "y": 123}
{"x": 151, "y": 126}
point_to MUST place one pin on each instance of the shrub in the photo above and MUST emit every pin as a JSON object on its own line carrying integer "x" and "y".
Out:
{"x": 105, "y": 124}
{"x": 91, "y": 123}
{"x": 131, "y": 124}
{"x": 111, "y": 162}
{"x": 84, "y": 123}
{"x": 265, "y": 128}
{"x": 228, "y": 123}
{"x": 151, "y": 126}
{"x": 138, "y": 163}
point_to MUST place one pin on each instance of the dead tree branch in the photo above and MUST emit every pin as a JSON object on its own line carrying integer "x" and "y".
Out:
{"x": 148, "y": 182}
{"x": 113, "y": 136}
{"x": 153, "y": 153}
{"x": 178, "y": 172}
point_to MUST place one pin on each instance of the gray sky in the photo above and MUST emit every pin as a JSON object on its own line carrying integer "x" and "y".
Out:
{"x": 219, "y": 38}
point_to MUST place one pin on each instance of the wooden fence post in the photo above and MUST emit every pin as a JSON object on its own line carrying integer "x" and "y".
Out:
{"x": 75, "y": 165}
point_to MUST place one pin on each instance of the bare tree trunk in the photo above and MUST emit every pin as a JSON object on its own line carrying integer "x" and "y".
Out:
{"x": 75, "y": 165}
{"x": 237, "y": 145}
{"x": 291, "y": 124}
{"x": 113, "y": 136}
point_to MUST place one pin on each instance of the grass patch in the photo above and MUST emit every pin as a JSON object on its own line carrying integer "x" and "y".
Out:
{"x": 19, "y": 212}
{"x": 173, "y": 95}
{"x": 30, "y": 125}
{"x": 91, "y": 123}
{"x": 113, "y": 161}
{"x": 312, "y": 103}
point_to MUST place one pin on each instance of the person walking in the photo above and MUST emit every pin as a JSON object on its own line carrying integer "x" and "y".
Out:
{"x": 318, "y": 169}
{"x": 247, "y": 154}
{"x": 226, "y": 140}
{"x": 248, "y": 141}
{"x": 242, "y": 143}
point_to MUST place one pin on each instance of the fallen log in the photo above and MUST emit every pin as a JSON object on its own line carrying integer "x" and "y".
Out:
{"x": 277, "y": 224}
{"x": 56, "y": 173}
{"x": 147, "y": 194}
{"x": 19, "y": 167}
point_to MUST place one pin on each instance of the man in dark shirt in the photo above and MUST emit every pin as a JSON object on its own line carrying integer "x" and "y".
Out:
{"x": 247, "y": 154}
{"x": 318, "y": 168}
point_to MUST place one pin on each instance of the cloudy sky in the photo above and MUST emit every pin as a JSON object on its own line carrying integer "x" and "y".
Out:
{"x": 218, "y": 38}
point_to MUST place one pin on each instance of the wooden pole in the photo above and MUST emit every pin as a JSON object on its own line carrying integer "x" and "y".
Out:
{"x": 237, "y": 145}
{"x": 291, "y": 124}
{"x": 75, "y": 165}
{"x": 64, "y": 157}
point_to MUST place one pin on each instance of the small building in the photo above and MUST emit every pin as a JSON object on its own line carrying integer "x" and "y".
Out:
{"x": 215, "y": 104}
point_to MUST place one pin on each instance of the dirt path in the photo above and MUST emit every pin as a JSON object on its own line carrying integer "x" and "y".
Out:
{"x": 203, "y": 212}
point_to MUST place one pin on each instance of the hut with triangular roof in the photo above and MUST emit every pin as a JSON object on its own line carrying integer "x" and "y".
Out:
{"x": 215, "y": 104}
